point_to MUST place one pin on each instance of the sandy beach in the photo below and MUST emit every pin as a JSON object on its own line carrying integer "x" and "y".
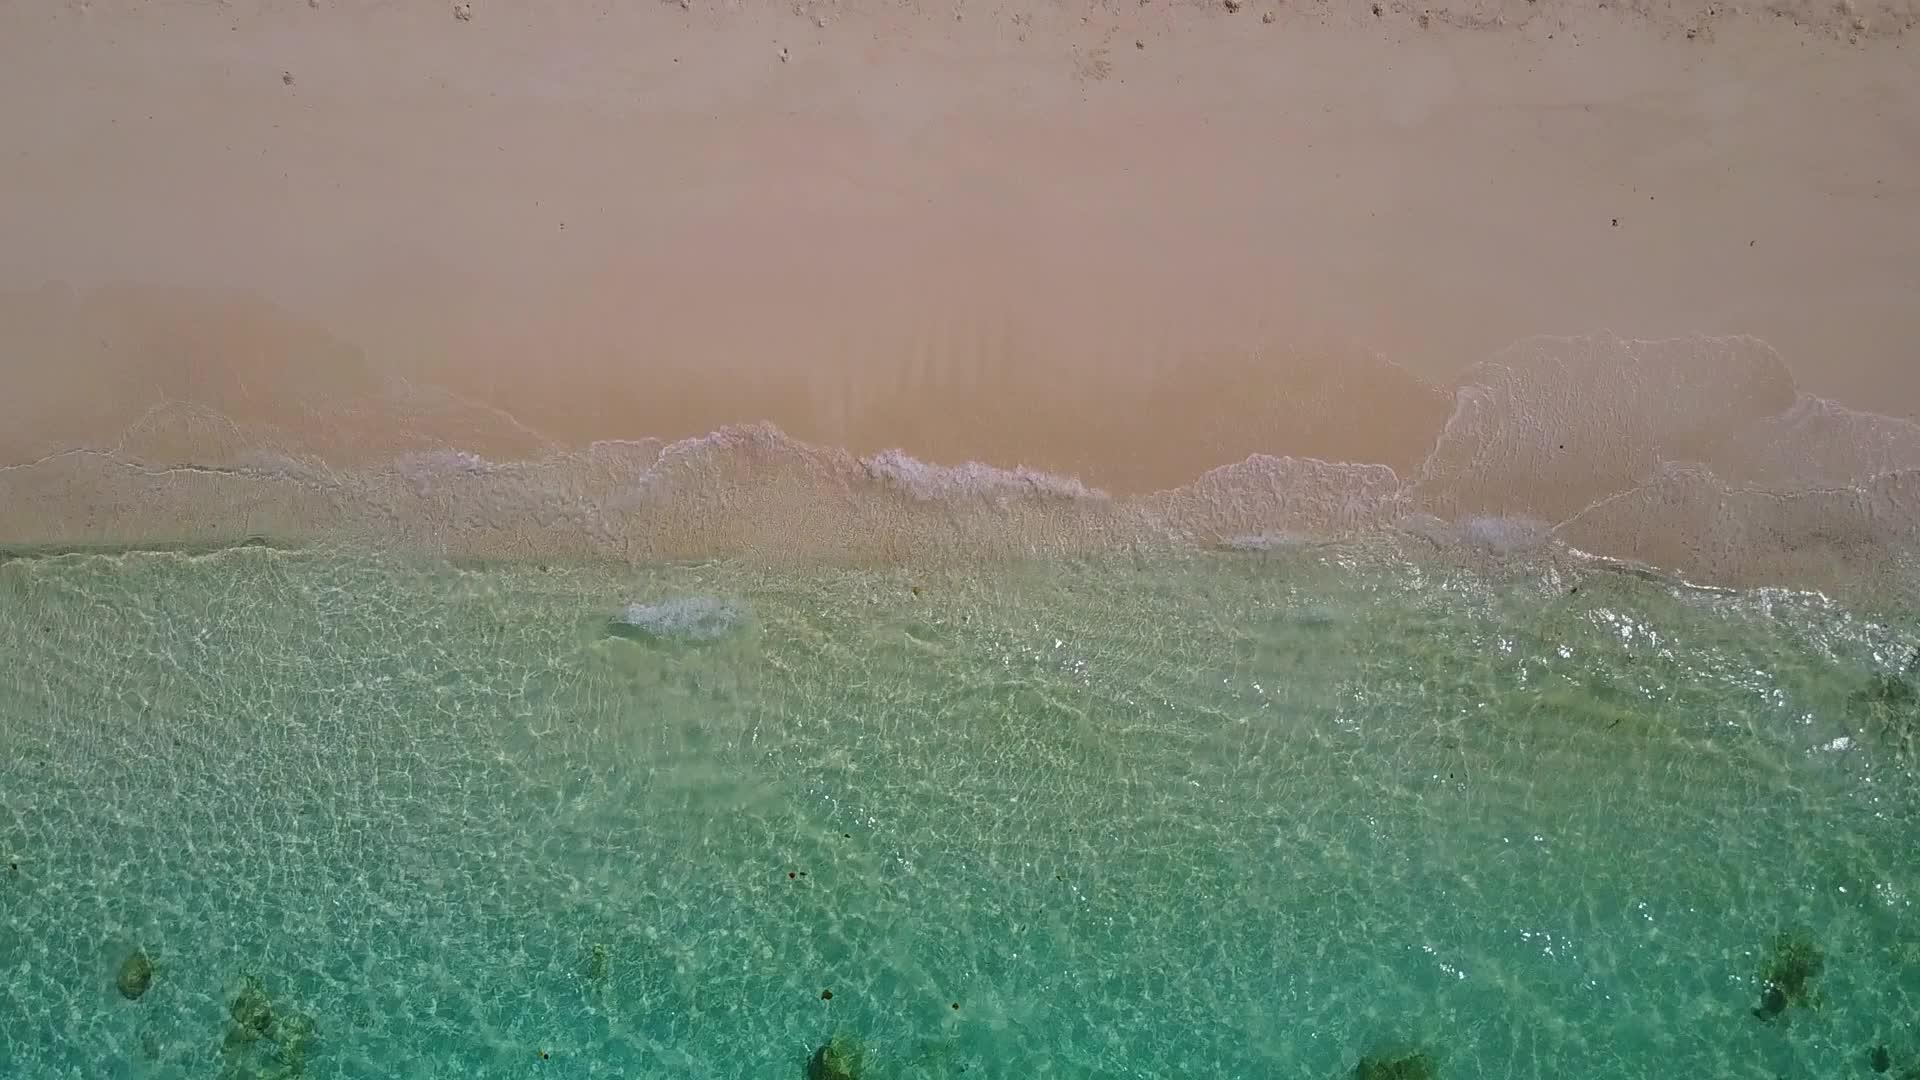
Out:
{"x": 1122, "y": 244}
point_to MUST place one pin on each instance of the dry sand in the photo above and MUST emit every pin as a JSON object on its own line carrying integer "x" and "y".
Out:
{"x": 1126, "y": 242}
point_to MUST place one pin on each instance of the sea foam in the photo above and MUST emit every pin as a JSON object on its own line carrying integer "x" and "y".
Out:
{"x": 1696, "y": 455}
{"x": 689, "y": 618}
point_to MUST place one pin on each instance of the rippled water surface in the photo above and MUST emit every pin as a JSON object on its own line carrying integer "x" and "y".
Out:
{"x": 279, "y": 814}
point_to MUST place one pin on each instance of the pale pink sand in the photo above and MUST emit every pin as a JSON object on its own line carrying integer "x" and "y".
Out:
{"x": 1125, "y": 242}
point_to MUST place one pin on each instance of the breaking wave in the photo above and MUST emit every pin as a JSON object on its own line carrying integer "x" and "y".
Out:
{"x": 1698, "y": 455}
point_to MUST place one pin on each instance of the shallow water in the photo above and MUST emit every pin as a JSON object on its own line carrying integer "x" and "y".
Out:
{"x": 1241, "y": 815}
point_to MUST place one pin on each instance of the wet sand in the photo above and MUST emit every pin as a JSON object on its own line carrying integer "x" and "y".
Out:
{"x": 1124, "y": 244}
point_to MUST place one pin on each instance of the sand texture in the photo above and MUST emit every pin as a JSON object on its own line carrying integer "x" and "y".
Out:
{"x": 875, "y": 279}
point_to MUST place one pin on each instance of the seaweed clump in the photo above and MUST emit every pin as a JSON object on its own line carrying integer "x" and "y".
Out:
{"x": 251, "y": 1011}
{"x": 1889, "y": 708}
{"x": 1880, "y": 1060}
{"x": 136, "y": 975}
{"x": 599, "y": 963}
{"x": 262, "y": 1042}
{"x": 1416, "y": 1065}
{"x": 1787, "y": 978}
{"x": 839, "y": 1058}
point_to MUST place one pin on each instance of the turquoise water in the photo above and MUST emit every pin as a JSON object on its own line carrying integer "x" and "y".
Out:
{"x": 1224, "y": 816}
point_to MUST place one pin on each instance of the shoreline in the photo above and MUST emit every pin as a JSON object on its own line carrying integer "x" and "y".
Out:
{"x": 346, "y": 268}
{"x": 1780, "y": 489}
